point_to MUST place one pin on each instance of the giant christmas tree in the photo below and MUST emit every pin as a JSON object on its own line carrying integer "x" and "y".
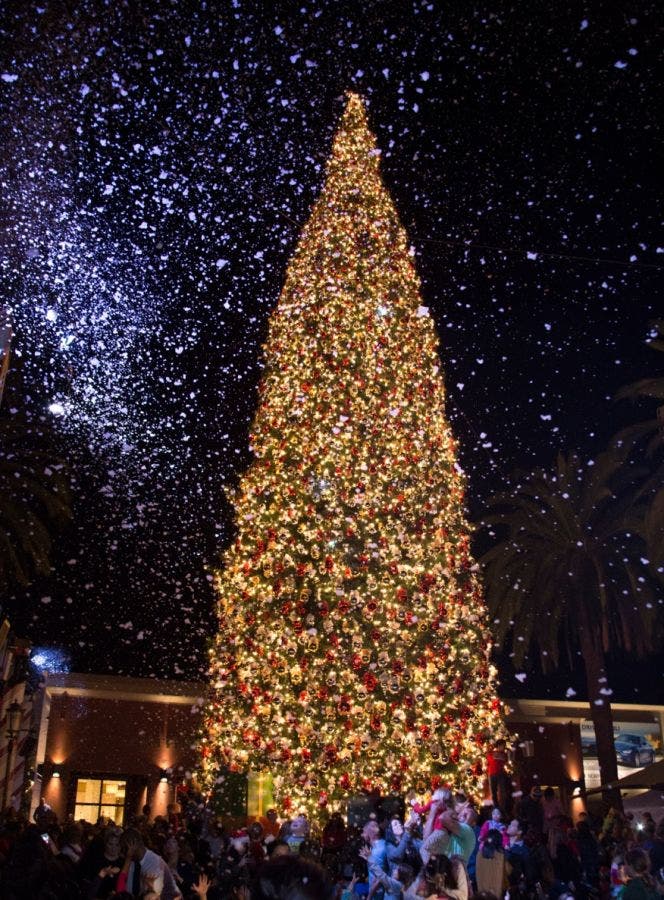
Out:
{"x": 353, "y": 651}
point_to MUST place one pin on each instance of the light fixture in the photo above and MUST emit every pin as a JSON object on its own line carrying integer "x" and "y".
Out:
{"x": 14, "y": 716}
{"x": 56, "y": 774}
{"x": 528, "y": 748}
{"x": 577, "y": 788}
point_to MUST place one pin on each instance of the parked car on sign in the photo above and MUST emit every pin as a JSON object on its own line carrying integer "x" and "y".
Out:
{"x": 588, "y": 746}
{"x": 634, "y": 750}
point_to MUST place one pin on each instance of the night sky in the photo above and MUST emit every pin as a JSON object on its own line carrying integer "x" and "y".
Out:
{"x": 158, "y": 162}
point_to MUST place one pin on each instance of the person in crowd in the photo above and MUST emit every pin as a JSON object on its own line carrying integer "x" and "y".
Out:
{"x": 639, "y": 884}
{"x": 452, "y": 838}
{"x": 85, "y": 861}
{"x": 517, "y": 857}
{"x": 71, "y": 845}
{"x": 443, "y": 876}
{"x": 270, "y": 823}
{"x": 213, "y": 834}
{"x": 530, "y": 811}
{"x": 464, "y": 808}
{"x": 537, "y": 867}
{"x": 653, "y": 844}
{"x": 374, "y": 851}
{"x": 399, "y": 843}
{"x": 490, "y": 864}
{"x": 471, "y": 866}
{"x": 256, "y": 850}
{"x": 499, "y": 781}
{"x": 295, "y": 832}
{"x": 552, "y": 810}
{"x": 494, "y": 823}
{"x": 100, "y": 867}
{"x": 333, "y": 841}
{"x": 42, "y": 809}
{"x": 391, "y": 887}
{"x": 588, "y": 848}
{"x": 292, "y": 878}
{"x": 276, "y": 848}
{"x": 26, "y": 870}
{"x": 564, "y": 857}
{"x": 144, "y": 870}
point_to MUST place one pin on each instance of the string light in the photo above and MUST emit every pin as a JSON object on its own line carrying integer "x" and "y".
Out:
{"x": 353, "y": 651}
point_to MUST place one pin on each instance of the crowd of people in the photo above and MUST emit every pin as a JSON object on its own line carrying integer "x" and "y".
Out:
{"x": 443, "y": 848}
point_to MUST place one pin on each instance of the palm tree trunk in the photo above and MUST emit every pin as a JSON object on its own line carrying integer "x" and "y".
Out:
{"x": 600, "y": 713}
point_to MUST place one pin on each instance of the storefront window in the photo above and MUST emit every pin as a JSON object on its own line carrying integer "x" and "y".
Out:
{"x": 97, "y": 797}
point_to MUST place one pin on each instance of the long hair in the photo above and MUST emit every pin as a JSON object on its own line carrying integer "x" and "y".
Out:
{"x": 439, "y": 874}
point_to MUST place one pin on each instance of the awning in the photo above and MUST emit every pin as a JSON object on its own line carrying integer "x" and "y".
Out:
{"x": 650, "y": 777}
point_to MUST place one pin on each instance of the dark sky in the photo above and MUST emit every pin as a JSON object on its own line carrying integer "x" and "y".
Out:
{"x": 159, "y": 160}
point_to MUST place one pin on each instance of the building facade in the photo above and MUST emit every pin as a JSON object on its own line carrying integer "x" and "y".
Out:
{"x": 109, "y": 745}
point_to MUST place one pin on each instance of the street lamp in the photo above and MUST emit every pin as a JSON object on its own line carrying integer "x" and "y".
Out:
{"x": 14, "y": 717}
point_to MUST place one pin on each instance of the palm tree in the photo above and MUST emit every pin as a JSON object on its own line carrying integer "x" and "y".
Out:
{"x": 648, "y": 436}
{"x": 568, "y": 572}
{"x": 34, "y": 501}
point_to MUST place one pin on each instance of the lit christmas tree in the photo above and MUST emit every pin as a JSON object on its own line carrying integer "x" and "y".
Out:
{"x": 353, "y": 651}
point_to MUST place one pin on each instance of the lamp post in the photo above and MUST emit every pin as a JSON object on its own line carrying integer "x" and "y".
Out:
{"x": 14, "y": 716}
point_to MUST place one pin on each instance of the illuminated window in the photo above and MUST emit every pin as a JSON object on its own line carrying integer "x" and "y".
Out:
{"x": 259, "y": 794}
{"x": 97, "y": 797}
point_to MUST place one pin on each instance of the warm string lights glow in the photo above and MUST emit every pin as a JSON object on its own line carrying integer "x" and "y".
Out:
{"x": 353, "y": 651}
